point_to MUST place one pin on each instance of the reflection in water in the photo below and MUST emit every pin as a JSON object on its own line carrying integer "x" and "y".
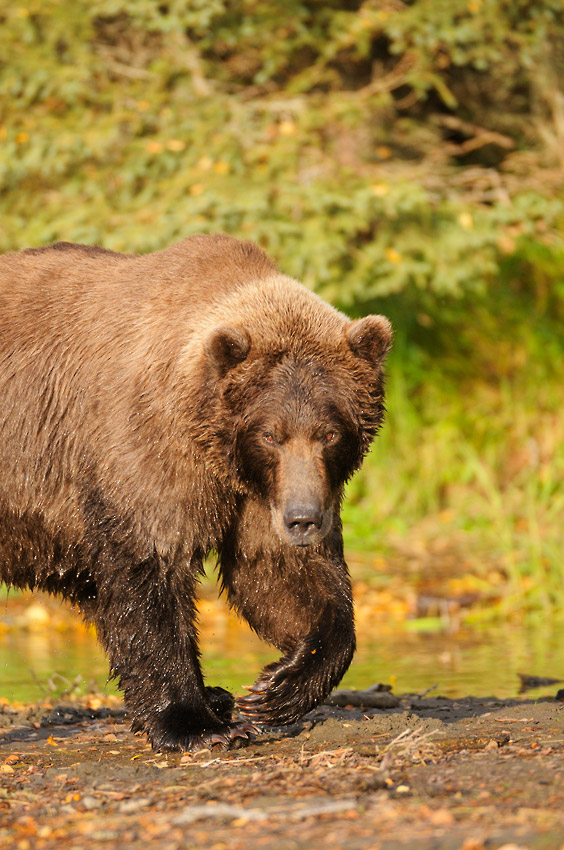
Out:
{"x": 467, "y": 663}
{"x": 28, "y": 659}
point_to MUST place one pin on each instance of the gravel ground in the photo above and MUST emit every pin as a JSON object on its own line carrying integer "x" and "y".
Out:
{"x": 429, "y": 773}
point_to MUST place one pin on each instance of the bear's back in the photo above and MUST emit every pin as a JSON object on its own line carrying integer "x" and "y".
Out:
{"x": 198, "y": 269}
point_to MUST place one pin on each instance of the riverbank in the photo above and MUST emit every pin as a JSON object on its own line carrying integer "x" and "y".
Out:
{"x": 428, "y": 774}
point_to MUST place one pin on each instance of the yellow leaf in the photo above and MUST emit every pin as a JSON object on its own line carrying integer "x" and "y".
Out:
{"x": 287, "y": 128}
{"x": 205, "y": 163}
{"x": 176, "y": 145}
{"x": 22, "y": 138}
{"x": 196, "y": 189}
{"x": 506, "y": 244}
{"x": 51, "y": 741}
{"x": 380, "y": 189}
{"x": 466, "y": 220}
{"x": 221, "y": 167}
{"x": 393, "y": 256}
{"x": 446, "y": 515}
{"x": 154, "y": 147}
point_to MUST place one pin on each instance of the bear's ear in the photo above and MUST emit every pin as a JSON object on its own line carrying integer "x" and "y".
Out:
{"x": 227, "y": 346}
{"x": 370, "y": 338}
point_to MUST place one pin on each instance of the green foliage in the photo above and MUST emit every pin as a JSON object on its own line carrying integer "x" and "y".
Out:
{"x": 475, "y": 459}
{"x": 375, "y": 148}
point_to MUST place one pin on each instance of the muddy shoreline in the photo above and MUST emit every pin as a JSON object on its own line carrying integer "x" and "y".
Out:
{"x": 431, "y": 772}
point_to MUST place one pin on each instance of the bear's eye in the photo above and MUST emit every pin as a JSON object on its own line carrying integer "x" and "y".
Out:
{"x": 268, "y": 438}
{"x": 330, "y": 437}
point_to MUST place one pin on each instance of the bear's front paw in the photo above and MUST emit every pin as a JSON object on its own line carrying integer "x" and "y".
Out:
{"x": 281, "y": 695}
{"x": 176, "y": 728}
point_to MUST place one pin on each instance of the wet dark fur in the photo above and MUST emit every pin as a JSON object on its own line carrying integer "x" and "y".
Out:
{"x": 155, "y": 408}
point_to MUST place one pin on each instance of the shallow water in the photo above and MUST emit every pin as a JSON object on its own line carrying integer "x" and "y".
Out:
{"x": 44, "y": 654}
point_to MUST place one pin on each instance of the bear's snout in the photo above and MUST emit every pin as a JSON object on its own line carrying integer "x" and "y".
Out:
{"x": 303, "y": 522}
{"x": 302, "y": 513}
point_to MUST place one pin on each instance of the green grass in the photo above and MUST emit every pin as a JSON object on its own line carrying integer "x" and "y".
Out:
{"x": 478, "y": 459}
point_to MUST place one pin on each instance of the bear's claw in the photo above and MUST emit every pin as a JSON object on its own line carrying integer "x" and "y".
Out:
{"x": 273, "y": 706}
{"x": 236, "y": 736}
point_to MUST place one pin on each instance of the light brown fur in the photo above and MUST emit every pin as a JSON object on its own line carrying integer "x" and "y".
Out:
{"x": 132, "y": 394}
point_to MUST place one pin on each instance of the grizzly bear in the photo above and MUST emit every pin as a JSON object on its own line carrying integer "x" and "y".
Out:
{"x": 157, "y": 408}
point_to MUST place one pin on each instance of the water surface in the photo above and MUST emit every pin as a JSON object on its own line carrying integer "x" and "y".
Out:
{"x": 41, "y": 655}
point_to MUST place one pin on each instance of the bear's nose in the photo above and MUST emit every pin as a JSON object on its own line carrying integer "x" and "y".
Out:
{"x": 302, "y": 523}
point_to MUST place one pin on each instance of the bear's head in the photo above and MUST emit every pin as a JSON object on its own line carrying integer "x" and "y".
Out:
{"x": 298, "y": 417}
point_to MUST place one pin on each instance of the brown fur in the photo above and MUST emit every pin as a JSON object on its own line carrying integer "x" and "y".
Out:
{"x": 155, "y": 408}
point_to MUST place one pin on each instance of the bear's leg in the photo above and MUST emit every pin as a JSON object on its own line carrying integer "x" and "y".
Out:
{"x": 145, "y": 618}
{"x": 300, "y": 600}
